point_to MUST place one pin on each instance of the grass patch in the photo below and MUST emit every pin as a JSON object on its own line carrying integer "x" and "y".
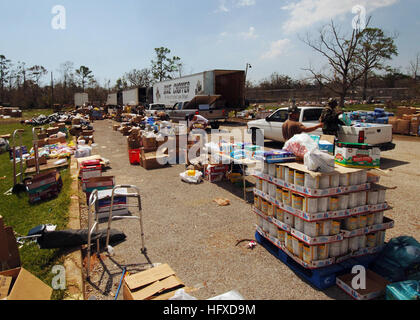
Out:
{"x": 22, "y": 216}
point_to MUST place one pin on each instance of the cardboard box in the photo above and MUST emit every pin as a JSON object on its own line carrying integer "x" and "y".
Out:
{"x": 5, "y": 283}
{"x": 53, "y": 130}
{"x": 158, "y": 283}
{"x": 375, "y": 286}
{"x": 99, "y": 183}
{"x": 57, "y": 140}
{"x": 115, "y": 127}
{"x": 151, "y": 160}
{"x": 149, "y": 143}
{"x": 42, "y": 135}
{"x": 357, "y": 155}
{"x": 9, "y": 252}
{"x": 25, "y": 286}
{"x": 403, "y": 126}
{"x": 30, "y": 162}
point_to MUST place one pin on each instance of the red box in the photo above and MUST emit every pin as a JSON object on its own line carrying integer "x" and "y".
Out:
{"x": 134, "y": 156}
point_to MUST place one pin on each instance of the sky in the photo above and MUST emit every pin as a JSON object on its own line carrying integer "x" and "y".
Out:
{"x": 113, "y": 37}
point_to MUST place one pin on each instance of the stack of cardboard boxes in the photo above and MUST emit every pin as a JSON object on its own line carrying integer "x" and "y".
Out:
{"x": 407, "y": 121}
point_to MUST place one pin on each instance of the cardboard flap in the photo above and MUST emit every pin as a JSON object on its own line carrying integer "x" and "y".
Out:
{"x": 27, "y": 286}
{"x": 149, "y": 276}
{"x": 5, "y": 283}
{"x": 301, "y": 167}
{"x": 157, "y": 287}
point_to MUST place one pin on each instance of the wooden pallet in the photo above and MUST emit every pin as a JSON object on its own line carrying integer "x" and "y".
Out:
{"x": 321, "y": 278}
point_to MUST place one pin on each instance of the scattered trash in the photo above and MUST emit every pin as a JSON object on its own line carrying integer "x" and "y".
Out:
{"x": 252, "y": 245}
{"x": 222, "y": 202}
{"x": 191, "y": 176}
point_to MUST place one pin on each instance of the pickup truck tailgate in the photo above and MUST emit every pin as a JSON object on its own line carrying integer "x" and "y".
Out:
{"x": 374, "y": 134}
{"x": 213, "y": 114}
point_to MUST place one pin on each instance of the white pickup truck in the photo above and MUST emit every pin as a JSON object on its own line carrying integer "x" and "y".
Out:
{"x": 373, "y": 134}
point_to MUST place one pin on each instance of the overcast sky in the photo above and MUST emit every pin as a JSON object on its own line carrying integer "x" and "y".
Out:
{"x": 112, "y": 37}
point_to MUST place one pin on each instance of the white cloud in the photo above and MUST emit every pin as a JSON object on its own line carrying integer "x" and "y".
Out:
{"x": 226, "y": 5}
{"x": 304, "y": 13}
{"x": 277, "y": 49}
{"x": 250, "y": 34}
{"x": 245, "y": 3}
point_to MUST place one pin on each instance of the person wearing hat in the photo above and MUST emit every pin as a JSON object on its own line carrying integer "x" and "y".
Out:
{"x": 292, "y": 126}
{"x": 329, "y": 118}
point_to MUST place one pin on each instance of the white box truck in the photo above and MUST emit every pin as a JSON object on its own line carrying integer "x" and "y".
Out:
{"x": 229, "y": 84}
{"x": 115, "y": 99}
{"x": 136, "y": 96}
{"x": 80, "y": 99}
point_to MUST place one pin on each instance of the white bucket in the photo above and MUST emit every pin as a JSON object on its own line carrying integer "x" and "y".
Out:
{"x": 362, "y": 196}
{"x": 260, "y": 222}
{"x": 354, "y": 244}
{"x": 310, "y": 205}
{"x": 381, "y": 196}
{"x": 265, "y": 171}
{"x": 311, "y": 182}
{"x": 325, "y": 228}
{"x": 266, "y": 226}
{"x": 272, "y": 190}
{"x": 323, "y": 204}
{"x": 335, "y": 181}
{"x": 344, "y": 247}
{"x": 272, "y": 170}
{"x": 265, "y": 186}
{"x": 353, "y": 200}
{"x": 324, "y": 182}
{"x": 380, "y": 238}
{"x": 363, "y": 177}
{"x": 335, "y": 249}
{"x": 286, "y": 174}
{"x": 289, "y": 219}
{"x": 310, "y": 229}
{"x": 344, "y": 180}
{"x": 373, "y": 197}
{"x": 343, "y": 202}
{"x": 362, "y": 241}
{"x": 259, "y": 184}
{"x": 354, "y": 178}
{"x": 273, "y": 230}
{"x": 299, "y": 224}
{"x": 379, "y": 217}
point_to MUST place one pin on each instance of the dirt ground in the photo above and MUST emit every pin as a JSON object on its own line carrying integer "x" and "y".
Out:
{"x": 187, "y": 230}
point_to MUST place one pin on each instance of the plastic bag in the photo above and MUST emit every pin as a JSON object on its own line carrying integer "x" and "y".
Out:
{"x": 197, "y": 178}
{"x": 319, "y": 161}
{"x": 300, "y": 144}
{"x": 182, "y": 295}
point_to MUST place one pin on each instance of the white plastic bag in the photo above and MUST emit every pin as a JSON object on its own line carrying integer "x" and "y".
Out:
{"x": 300, "y": 144}
{"x": 319, "y": 161}
{"x": 182, "y": 295}
{"x": 191, "y": 179}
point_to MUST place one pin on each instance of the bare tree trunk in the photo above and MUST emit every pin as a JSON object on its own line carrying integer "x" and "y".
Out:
{"x": 365, "y": 85}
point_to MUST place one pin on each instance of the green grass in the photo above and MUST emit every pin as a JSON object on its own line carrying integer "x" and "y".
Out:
{"x": 30, "y": 113}
{"x": 22, "y": 216}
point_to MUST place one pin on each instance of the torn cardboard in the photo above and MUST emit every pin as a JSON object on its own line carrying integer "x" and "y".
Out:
{"x": 25, "y": 286}
{"x": 158, "y": 283}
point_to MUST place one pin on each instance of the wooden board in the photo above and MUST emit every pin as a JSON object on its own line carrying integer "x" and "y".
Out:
{"x": 44, "y": 167}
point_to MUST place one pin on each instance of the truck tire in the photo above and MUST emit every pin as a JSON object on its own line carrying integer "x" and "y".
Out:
{"x": 215, "y": 125}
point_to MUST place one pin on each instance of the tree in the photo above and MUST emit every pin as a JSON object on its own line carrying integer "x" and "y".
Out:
{"x": 36, "y": 73}
{"x": 340, "y": 52}
{"x": 121, "y": 84}
{"x": 414, "y": 66}
{"x": 4, "y": 71}
{"x": 85, "y": 76}
{"x": 139, "y": 78}
{"x": 373, "y": 49}
{"x": 164, "y": 67}
{"x": 66, "y": 69}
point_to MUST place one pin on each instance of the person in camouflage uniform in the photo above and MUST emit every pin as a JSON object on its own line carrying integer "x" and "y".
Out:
{"x": 329, "y": 118}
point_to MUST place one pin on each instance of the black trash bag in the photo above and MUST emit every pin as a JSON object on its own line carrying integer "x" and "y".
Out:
{"x": 400, "y": 260}
{"x": 75, "y": 238}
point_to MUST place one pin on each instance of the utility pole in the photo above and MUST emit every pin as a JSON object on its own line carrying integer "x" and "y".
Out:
{"x": 52, "y": 90}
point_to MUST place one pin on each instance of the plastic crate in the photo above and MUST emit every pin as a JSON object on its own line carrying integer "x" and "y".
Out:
{"x": 134, "y": 156}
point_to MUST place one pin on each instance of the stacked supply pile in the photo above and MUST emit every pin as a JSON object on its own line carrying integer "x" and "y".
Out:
{"x": 379, "y": 116}
{"x": 407, "y": 121}
{"x": 320, "y": 219}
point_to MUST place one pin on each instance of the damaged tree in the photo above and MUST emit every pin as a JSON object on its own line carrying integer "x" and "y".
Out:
{"x": 341, "y": 52}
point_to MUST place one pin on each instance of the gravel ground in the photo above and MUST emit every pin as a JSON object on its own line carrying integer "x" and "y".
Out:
{"x": 187, "y": 230}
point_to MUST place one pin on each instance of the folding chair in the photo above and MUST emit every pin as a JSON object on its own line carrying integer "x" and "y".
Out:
{"x": 93, "y": 223}
{"x": 111, "y": 217}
